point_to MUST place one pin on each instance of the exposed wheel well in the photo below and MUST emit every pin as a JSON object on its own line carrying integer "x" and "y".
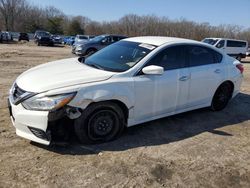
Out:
{"x": 123, "y": 107}
{"x": 230, "y": 83}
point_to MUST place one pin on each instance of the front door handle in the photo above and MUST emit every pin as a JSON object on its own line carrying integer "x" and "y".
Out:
{"x": 184, "y": 78}
{"x": 217, "y": 71}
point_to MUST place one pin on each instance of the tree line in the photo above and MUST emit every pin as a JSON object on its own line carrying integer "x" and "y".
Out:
{"x": 21, "y": 16}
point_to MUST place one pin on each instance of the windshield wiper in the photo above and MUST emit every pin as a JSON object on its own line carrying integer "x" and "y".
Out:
{"x": 82, "y": 60}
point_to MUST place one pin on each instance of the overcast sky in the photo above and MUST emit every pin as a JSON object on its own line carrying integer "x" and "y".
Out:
{"x": 215, "y": 12}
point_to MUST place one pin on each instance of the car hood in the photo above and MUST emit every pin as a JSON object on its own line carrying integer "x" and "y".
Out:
{"x": 80, "y": 43}
{"x": 58, "y": 74}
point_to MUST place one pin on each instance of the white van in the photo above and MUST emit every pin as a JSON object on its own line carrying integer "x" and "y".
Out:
{"x": 234, "y": 48}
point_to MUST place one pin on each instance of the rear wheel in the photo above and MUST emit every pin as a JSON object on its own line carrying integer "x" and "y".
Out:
{"x": 100, "y": 122}
{"x": 221, "y": 97}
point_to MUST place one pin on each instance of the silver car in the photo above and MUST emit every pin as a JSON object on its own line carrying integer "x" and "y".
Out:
{"x": 96, "y": 44}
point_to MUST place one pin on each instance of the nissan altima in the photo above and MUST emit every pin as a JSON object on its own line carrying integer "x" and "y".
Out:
{"x": 127, "y": 83}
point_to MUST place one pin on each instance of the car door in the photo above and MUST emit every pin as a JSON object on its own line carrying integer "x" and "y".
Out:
{"x": 157, "y": 95}
{"x": 206, "y": 74}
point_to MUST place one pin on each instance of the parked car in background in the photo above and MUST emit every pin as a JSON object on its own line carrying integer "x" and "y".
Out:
{"x": 83, "y": 38}
{"x": 80, "y": 42}
{"x": 1, "y": 37}
{"x": 69, "y": 40}
{"x": 39, "y": 33}
{"x": 248, "y": 52}
{"x": 43, "y": 38}
{"x": 65, "y": 39}
{"x": 234, "y": 48}
{"x": 57, "y": 39}
{"x": 23, "y": 36}
{"x": 133, "y": 81}
{"x": 6, "y": 36}
{"x": 96, "y": 44}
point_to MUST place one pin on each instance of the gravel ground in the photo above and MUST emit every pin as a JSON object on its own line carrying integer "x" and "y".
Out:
{"x": 194, "y": 149}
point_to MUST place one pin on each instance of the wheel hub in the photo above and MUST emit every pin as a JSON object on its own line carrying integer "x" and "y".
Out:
{"x": 102, "y": 125}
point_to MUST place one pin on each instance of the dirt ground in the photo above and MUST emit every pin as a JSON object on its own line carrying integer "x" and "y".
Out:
{"x": 195, "y": 149}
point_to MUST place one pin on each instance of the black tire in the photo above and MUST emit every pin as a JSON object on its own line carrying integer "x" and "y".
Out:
{"x": 222, "y": 96}
{"x": 100, "y": 122}
{"x": 90, "y": 52}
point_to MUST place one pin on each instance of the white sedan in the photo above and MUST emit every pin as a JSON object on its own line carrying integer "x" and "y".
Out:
{"x": 130, "y": 82}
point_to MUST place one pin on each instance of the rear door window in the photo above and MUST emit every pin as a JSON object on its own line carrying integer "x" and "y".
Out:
{"x": 199, "y": 55}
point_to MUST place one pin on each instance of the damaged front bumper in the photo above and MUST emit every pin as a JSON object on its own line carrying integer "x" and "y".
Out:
{"x": 38, "y": 126}
{"x": 29, "y": 124}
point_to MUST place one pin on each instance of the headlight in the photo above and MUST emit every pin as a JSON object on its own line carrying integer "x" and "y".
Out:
{"x": 48, "y": 103}
{"x": 80, "y": 47}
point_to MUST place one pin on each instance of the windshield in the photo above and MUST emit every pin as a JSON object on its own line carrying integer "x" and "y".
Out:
{"x": 43, "y": 34}
{"x": 210, "y": 41}
{"x": 119, "y": 56}
{"x": 83, "y": 37}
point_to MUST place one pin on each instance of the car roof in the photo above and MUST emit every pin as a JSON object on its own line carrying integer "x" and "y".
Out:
{"x": 158, "y": 40}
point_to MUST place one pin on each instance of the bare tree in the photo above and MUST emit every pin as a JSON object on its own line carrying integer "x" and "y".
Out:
{"x": 19, "y": 15}
{"x": 10, "y": 10}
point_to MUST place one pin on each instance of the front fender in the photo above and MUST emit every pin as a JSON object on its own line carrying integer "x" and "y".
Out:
{"x": 122, "y": 92}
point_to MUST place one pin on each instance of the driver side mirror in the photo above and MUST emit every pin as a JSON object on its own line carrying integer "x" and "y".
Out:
{"x": 153, "y": 70}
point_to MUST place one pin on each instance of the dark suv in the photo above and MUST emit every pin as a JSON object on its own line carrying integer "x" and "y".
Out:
{"x": 1, "y": 37}
{"x": 43, "y": 38}
{"x": 23, "y": 36}
{"x": 96, "y": 44}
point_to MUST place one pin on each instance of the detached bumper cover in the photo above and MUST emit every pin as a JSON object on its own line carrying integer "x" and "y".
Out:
{"x": 30, "y": 124}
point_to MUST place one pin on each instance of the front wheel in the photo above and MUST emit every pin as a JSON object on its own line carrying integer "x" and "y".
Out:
{"x": 90, "y": 52}
{"x": 221, "y": 97}
{"x": 100, "y": 122}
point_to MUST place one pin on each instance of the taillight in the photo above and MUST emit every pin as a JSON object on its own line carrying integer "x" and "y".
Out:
{"x": 240, "y": 67}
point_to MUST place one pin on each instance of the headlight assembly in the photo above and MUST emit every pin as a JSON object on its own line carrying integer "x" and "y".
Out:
{"x": 80, "y": 47}
{"x": 48, "y": 103}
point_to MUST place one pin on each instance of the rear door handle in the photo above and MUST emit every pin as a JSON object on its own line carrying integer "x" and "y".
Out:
{"x": 217, "y": 71}
{"x": 184, "y": 78}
